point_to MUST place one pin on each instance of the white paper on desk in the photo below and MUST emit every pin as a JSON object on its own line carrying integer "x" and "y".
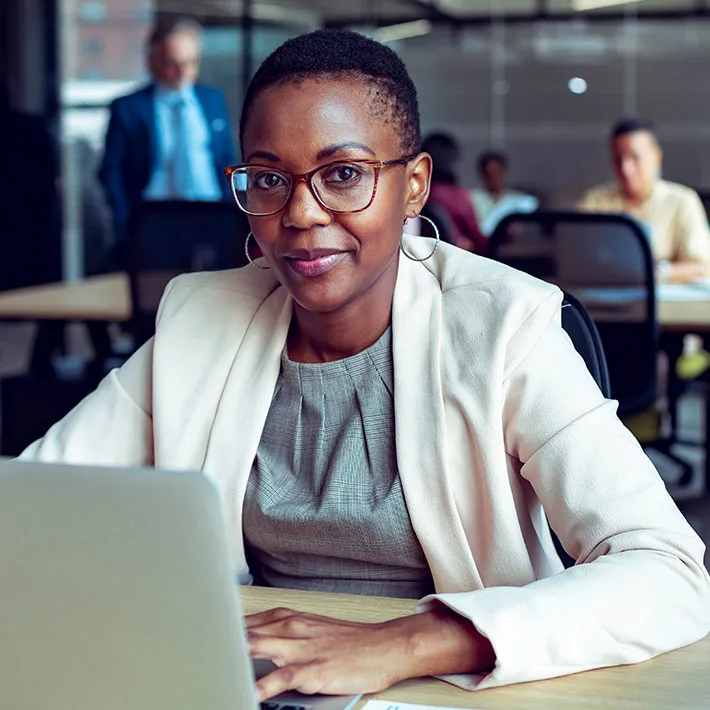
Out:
{"x": 392, "y": 705}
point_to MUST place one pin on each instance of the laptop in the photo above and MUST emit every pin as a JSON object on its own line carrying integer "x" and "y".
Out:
{"x": 590, "y": 254}
{"x": 118, "y": 592}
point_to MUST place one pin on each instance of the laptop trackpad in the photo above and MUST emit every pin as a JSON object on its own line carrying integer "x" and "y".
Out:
{"x": 297, "y": 701}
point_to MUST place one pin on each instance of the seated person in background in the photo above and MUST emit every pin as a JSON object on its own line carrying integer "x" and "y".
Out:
{"x": 448, "y": 196}
{"x": 171, "y": 139}
{"x": 392, "y": 416}
{"x": 680, "y": 238}
{"x": 495, "y": 200}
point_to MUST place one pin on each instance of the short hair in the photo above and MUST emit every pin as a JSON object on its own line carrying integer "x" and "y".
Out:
{"x": 167, "y": 28}
{"x": 625, "y": 126}
{"x": 492, "y": 156}
{"x": 326, "y": 54}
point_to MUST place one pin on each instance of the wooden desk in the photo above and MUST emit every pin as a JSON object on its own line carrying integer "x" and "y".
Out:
{"x": 677, "y": 680}
{"x": 99, "y": 298}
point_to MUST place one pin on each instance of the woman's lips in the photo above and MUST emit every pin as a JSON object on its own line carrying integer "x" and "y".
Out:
{"x": 316, "y": 263}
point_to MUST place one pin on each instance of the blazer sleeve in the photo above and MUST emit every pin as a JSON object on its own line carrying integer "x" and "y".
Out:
{"x": 113, "y": 165}
{"x": 113, "y": 426}
{"x": 639, "y": 587}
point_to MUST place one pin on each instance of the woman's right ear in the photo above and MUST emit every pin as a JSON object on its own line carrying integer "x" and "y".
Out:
{"x": 418, "y": 180}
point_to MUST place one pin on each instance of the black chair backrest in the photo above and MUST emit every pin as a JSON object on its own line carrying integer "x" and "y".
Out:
{"x": 605, "y": 261}
{"x": 167, "y": 238}
{"x": 441, "y": 219}
{"x": 585, "y": 338}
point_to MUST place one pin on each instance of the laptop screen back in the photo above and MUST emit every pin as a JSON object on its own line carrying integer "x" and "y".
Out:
{"x": 117, "y": 592}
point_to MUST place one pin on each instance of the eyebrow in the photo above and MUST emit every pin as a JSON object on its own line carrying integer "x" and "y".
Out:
{"x": 264, "y": 155}
{"x": 337, "y": 147}
{"x": 322, "y": 154}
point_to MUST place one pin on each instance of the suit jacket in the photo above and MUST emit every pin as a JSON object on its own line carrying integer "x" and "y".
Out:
{"x": 131, "y": 147}
{"x": 496, "y": 418}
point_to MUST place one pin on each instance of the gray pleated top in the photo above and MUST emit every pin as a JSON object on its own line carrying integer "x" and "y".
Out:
{"x": 324, "y": 508}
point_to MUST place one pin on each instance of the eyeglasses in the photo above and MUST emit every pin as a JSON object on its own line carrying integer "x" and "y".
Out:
{"x": 341, "y": 186}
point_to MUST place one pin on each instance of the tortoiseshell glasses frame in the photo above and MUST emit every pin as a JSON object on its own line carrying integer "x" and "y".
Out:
{"x": 294, "y": 178}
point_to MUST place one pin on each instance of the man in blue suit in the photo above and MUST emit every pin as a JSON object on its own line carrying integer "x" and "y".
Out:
{"x": 170, "y": 139}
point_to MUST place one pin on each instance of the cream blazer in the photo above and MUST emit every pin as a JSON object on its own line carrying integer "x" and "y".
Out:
{"x": 496, "y": 419}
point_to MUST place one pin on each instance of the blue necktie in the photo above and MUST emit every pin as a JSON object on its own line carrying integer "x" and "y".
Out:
{"x": 179, "y": 177}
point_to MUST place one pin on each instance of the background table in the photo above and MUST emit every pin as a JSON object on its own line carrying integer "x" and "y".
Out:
{"x": 95, "y": 301}
{"x": 677, "y": 680}
{"x": 684, "y": 316}
{"x": 102, "y": 298}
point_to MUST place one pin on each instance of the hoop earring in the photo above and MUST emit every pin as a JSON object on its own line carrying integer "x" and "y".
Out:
{"x": 436, "y": 245}
{"x": 246, "y": 251}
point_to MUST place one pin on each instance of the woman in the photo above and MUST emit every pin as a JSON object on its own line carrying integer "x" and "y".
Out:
{"x": 447, "y": 195}
{"x": 389, "y": 417}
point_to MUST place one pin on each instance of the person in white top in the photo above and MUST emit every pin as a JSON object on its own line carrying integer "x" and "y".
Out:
{"x": 495, "y": 200}
{"x": 680, "y": 238}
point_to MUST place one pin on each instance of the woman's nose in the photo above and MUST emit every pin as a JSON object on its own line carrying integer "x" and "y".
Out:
{"x": 303, "y": 209}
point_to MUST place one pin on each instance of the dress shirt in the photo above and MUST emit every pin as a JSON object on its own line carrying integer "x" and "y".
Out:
{"x": 189, "y": 176}
{"x": 674, "y": 214}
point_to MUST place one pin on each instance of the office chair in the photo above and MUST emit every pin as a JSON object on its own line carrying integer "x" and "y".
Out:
{"x": 605, "y": 261}
{"x": 168, "y": 238}
{"x": 441, "y": 218}
{"x": 584, "y": 336}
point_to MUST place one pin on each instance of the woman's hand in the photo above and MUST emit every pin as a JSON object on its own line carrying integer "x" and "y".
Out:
{"x": 316, "y": 654}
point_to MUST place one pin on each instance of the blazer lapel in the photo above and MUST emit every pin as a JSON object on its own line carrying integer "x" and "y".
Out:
{"x": 420, "y": 424}
{"x": 243, "y": 407}
{"x": 145, "y": 108}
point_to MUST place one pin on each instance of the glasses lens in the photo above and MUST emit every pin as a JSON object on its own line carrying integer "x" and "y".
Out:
{"x": 345, "y": 187}
{"x": 260, "y": 190}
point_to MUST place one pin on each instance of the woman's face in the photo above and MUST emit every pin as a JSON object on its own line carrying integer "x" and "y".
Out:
{"x": 329, "y": 260}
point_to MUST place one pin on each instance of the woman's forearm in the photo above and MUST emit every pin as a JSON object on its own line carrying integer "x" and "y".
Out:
{"x": 440, "y": 642}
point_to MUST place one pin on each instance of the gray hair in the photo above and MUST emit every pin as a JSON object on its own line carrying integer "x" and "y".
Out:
{"x": 167, "y": 28}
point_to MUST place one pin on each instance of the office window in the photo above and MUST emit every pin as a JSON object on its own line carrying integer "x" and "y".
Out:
{"x": 102, "y": 58}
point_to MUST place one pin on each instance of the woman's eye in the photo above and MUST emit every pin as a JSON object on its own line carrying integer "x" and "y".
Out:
{"x": 343, "y": 173}
{"x": 269, "y": 181}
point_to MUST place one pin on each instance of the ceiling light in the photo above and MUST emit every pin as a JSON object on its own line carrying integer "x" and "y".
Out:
{"x": 577, "y": 85}
{"x": 404, "y": 30}
{"x": 582, "y": 5}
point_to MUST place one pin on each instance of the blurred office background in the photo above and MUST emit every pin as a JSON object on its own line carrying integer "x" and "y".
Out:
{"x": 543, "y": 79}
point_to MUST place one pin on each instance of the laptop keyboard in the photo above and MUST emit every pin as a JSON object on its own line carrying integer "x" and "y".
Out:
{"x": 282, "y": 706}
